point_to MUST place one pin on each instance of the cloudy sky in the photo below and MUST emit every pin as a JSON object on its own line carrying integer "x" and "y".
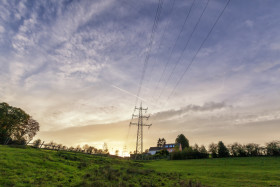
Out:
{"x": 76, "y": 67}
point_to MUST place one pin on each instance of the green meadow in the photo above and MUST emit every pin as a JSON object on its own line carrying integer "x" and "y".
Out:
{"x": 249, "y": 171}
{"x": 25, "y": 166}
{"x": 39, "y": 167}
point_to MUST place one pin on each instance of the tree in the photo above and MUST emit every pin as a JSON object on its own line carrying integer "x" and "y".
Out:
{"x": 78, "y": 148}
{"x": 234, "y": 149}
{"x": 10, "y": 118}
{"x": 105, "y": 148}
{"x": 181, "y": 139}
{"x": 161, "y": 142}
{"x": 17, "y": 125}
{"x": 25, "y": 132}
{"x": 85, "y": 148}
{"x": 273, "y": 148}
{"x": 252, "y": 149}
{"x": 117, "y": 152}
{"x": 59, "y": 146}
{"x": 37, "y": 143}
{"x": 222, "y": 150}
{"x": 213, "y": 149}
{"x": 203, "y": 150}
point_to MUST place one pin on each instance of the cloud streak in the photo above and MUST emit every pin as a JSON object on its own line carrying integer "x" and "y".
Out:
{"x": 78, "y": 63}
{"x": 207, "y": 107}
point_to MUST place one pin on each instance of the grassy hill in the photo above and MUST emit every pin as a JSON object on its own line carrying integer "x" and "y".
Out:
{"x": 39, "y": 167}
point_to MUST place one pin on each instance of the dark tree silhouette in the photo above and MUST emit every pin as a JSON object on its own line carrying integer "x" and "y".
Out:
{"x": 213, "y": 149}
{"x": 183, "y": 141}
{"x": 273, "y": 148}
{"x": 222, "y": 150}
{"x": 17, "y": 125}
{"x": 161, "y": 142}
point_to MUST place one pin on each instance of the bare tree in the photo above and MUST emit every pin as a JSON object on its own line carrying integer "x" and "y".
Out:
{"x": 37, "y": 143}
{"x": 52, "y": 145}
{"x": 105, "y": 148}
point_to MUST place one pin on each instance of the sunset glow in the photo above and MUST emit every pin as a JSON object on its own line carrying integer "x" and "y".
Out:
{"x": 76, "y": 67}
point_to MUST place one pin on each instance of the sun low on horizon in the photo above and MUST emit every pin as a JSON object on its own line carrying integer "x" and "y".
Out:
{"x": 208, "y": 69}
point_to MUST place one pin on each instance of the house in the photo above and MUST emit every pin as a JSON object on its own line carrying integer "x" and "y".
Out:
{"x": 169, "y": 147}
{"x": 153, "y": 150}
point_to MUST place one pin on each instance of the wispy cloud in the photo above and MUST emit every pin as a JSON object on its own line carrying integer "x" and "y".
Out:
{"x": 77, "y": 63}
{"x": 207, "y": 107}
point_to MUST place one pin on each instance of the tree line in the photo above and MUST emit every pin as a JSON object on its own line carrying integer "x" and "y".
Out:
{"x": 60, "y": 147}
{"x": 220, "y": 150}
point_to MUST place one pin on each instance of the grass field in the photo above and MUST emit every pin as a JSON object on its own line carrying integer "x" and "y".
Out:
{"x": 254, "y": 171}
{"x": 38, "y": 167}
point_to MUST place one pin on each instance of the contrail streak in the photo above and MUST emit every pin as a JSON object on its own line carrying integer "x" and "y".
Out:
{"x": 128, "y": 92}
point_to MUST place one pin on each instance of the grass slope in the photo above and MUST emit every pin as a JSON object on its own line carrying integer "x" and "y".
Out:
{"x": 254, "y": 171}
{"x": 37, "y": 167}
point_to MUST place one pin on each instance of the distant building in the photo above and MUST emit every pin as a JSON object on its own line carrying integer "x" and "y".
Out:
{"x": 153, "y": 150}
{"x": 169, "y": 147}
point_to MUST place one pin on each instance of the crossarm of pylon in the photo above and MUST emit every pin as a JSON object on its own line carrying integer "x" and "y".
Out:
{"x": 133, "y": 123}
{"x": 134, "y": 115}
{"x": 147, "y": 125}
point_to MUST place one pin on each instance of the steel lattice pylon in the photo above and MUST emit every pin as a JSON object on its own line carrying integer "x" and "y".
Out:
{"x": 140, "y": 124}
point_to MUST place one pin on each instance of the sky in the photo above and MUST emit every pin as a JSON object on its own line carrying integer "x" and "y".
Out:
{"x": 76, "y": 67}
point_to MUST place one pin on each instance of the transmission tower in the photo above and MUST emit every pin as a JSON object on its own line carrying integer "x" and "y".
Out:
{"x": 140, "y": 124}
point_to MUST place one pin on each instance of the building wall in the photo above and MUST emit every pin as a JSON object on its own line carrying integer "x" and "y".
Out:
{"x": 152, "y": 152}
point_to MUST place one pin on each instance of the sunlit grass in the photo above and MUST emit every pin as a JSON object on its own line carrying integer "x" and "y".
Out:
{"x": 39, "y": 167}
{"x": 250, "y": 171}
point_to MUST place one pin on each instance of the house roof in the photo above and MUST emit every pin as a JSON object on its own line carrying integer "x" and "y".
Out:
{"x": 155, "y": 148}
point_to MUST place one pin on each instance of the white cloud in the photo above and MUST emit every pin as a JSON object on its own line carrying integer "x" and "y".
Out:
{"x": 66, "y": 58}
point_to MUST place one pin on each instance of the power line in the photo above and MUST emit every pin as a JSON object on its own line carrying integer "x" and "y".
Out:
{"x": 187, "y": 43}
{"x": 159, "y": 8}
{"x": 139, "y": 141}
{"x": 162, "y": 36}
{"x": 168, "y": 59}
{"x": 205, "y": 39}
